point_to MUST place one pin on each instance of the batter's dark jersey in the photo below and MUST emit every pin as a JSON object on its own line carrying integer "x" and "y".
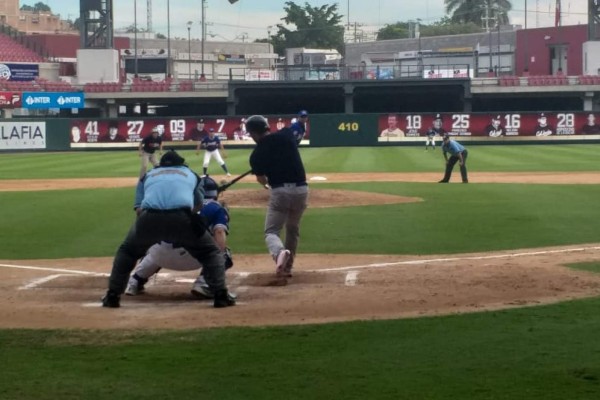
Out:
{"x": 433, "y": 131}
{"x": 151, "y": 143}
{"x": 276, "y": 156}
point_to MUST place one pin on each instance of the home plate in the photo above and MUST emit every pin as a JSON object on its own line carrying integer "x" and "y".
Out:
{"x": 318, "y": 178}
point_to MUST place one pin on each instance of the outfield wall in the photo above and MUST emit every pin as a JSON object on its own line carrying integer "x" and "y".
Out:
{"x": 323, "y": 130}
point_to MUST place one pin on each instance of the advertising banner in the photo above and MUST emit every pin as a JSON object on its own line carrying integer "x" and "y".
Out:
{"x": 10, "y": 100}
{"x": 19, "y": 72}
{"x": 53, "y": 100}
{"x": 22, "y": 135}
{"x": 504, "y": 126}
{"x": 129, "y": 132}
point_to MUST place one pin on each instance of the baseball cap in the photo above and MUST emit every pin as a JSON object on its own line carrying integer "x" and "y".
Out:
{"x": 201, "y": 121}
{"x": 303, "y": 113}
{"x": 542, "y": 115}
{"x": 496, "y": 118}
{"x": 438, "y": 116}
{"x": 211, "y": 130}
{"x": 155, "y": 130}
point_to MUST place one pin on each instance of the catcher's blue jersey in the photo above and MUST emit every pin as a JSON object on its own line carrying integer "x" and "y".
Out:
{"x": 215, "y": 214}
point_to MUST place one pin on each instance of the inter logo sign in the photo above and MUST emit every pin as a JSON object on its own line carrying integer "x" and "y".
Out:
{"x": 53, "y": 100}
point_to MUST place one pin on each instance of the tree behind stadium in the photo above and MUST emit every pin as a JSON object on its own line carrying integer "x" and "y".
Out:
{"x": 475, "y": 11}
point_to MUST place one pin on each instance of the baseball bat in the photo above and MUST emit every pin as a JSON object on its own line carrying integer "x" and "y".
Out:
{"x": 224, "y": 187}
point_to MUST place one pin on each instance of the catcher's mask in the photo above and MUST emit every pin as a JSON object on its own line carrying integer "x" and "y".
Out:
{"x": 210, "y": 188}
{"x": 171, "y": 159}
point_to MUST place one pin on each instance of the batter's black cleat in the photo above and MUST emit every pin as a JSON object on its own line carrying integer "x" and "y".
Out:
{"x": 223, "y": 299}
{"x": 111, "y": 300}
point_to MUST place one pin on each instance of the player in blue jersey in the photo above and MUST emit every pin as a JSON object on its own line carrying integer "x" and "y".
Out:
{"x": 164, "y": 255}
{"x": 212, "y": 144}
{"x": 167, "y": 199}
{"x": 298, "y": 127}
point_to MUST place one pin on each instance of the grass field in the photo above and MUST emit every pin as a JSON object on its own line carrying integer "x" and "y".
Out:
{"x": 549, "y": 352}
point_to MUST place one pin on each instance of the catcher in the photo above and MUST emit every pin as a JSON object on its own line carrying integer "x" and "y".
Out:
{"x": 165, "y": 255}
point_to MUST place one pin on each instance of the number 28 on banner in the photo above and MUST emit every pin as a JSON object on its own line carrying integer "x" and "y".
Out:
{"x": 349, "y": 127}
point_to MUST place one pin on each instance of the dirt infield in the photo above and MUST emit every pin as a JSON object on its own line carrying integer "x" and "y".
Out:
{"x": 65, "y": 293}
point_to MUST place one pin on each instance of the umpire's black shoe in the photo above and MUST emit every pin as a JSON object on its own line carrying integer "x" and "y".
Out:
{"x": 443, "y": 181}
{"x": 111, "y": 300}
{"x": 223, "y": 299}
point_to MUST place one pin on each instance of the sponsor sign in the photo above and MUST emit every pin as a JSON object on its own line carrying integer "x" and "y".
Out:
{"x": 129, "y": 132}
{"x": 53, "y": 100}
{"x": 19, "y": 72}
{"x": 22, "y": 135}
{"x": 448, "y": 73}
{"x": 10, "y": 100}
{"x": 529, "y": 126}
{"x": 261, "y": 75}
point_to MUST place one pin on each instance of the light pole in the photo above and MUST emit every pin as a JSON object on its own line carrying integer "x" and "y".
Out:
{"x": 269, "y": 42}
{"x": 189, "y": 27}
{"x": 168, "y": 39}
{"x": 135, "y": 56}
{"x": 203, "y": 38}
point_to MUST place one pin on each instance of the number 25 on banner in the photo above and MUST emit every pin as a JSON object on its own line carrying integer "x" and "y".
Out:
{"x": 349, "y": 127}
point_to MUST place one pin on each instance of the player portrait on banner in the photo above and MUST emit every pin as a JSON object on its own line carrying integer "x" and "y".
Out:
{"x": 112, "y": 135}
{"x": 391, "y": 132}
{"x": 198, "y": 132}
{"x": 543, "y": 128}
{"x": 590, "y": 127}
{"x": 495, "y": 129}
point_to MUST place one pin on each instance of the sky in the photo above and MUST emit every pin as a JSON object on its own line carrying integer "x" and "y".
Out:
{"x": 247, "y": 20}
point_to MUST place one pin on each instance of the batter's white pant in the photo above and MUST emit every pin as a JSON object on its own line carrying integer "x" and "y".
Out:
{"x": 147, "y": 157}
{"x": 164, "y": 255}
{"x": 212, "y": 154}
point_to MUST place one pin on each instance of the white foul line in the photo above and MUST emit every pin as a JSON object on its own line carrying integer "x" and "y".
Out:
{"x": 36, "y": 282}
{"x": 68, "y": 271}
{"x": 437, "y": 260}
{"x": 351, "y": 278}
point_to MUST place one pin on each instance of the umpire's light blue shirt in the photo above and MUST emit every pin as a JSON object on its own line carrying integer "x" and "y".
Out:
{"x": 168, "y": 188}
{"x": 453, "y": 147}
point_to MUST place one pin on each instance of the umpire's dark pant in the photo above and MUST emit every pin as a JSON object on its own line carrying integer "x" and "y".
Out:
{"x": 450, "y": 166}
{"x": 175, "y": 227}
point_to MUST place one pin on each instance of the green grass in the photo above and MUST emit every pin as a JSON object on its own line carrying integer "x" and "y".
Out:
{"x": 350, "y": 159}
{"x": 586, "y": 266}
{"x": 451, "y": 219}
{"x": 549, "y": 352}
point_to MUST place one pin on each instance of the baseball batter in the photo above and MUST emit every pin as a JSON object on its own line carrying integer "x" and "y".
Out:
{"x": 277, "y": 164}
{"x": 165, "y": 255}
{"x": 212, "y": 144}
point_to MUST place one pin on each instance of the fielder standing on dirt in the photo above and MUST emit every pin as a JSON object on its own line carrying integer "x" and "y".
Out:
{"x": 212, "y": 144}
{"x": 457, "y": 153}
{"x": 147, "y": 149}
{"x": 298, "y": 128}
{"x": 277, "y": 164}
{"x": 167, "y": 199}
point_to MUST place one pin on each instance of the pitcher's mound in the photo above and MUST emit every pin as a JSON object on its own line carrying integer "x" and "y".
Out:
{"x": 317, "y": 198}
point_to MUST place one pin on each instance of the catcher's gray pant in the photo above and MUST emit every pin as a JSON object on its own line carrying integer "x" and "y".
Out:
{"x": 147, "y": 157}
{"x": 286, "y": 206}
{"x": 164, "y": 255}
{"x": 171, "y": 227}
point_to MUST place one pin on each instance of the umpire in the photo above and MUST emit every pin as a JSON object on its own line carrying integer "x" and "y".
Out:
{"x": 167, "y": 198}
{"x": 457, "y": 153}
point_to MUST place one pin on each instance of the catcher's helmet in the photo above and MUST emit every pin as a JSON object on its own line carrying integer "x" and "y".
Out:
{"x": 210, "y": 188}
{"x": 257, "y": 124}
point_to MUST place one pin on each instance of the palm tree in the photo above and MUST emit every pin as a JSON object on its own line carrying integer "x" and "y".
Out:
{"x": 464, "y": 11}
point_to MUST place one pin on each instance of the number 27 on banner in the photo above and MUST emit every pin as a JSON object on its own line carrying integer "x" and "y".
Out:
{"x": 349, "y": 127}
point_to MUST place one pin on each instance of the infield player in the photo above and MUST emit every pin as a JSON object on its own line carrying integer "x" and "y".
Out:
{"x": 457, "y": 153}
{"x": 277, "y": 164}
{"x": 212, "y": 144}
{"x": 436, "y": 129}
{"x": 166, "y": 255}
{"x": 147, "y": 149}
